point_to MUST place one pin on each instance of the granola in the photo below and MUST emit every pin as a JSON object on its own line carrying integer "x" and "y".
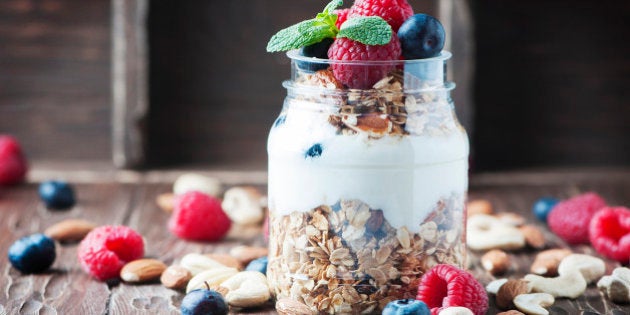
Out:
{"x": 347, "y": 258}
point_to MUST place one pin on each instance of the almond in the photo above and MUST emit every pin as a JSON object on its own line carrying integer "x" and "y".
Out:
{"x": 495, "y": 261}
{"x": 166, "y": 202}
{"x": 374, "y": 123}
{"x": 245, "y": 254}
{"x": 142, "y": 270}
{"x": 70, "y": 230}
{"x": 175, "y": 277}
{"x": 480, "y": 206}
{"x": 226, "y": 260}
{"x": 508, "y": 291}
{"x": 546, "y": 262}
{"x": 534, "y": 237}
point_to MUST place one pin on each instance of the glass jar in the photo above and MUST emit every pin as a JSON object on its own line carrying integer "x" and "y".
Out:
{"x": 366, "y": 186}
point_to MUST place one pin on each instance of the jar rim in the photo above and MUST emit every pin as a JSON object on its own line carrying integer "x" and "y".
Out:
{"x": 443, "y": 56}
{"x": 290, "y": 85}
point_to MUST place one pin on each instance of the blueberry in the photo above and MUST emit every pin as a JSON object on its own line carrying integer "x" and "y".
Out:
{"x": 543, "y": 206}
{"x": 317, "y": 50}
{"x": 202, "y": 302}
{"x": 259, "y": 264}
{"x": 56, "y": 194}
{"x": 421, "y": 36}
{"x": 406, "y": 307}
{"x": 281, "y": 119}
{"x": 32, "y": 254}
{"x": 314, "y": 151}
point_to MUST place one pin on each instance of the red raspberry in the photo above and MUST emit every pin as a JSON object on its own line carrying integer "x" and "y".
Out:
{"x": 342, "y": 16}
{"x": 395, "y": 12}
{"x": 13, "y": 166}
{"x": 198, "y": 216}
{"x": 445, "y": 286}
{"x": 570, "y": 218}
{"x": 362, "y": 76}
{"x": 106, "y": 249}
{"x": 609, "y": 233}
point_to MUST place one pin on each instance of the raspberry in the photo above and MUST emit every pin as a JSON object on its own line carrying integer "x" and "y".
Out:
{"x": 609, "y": 233}
{"x": 570, "y": 218}
{"x": 198, "y": 216}
{"x": 445, "y": 286}
{"x": 13, "y": 166}
{"x": 342, "y": 16}
{"x": 362, "y": 76}
{"x": 395, "y": 12}
{"x": 106, "y": 249}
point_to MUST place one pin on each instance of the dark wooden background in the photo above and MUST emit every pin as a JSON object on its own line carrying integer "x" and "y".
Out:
{"x": 552, "y": 80}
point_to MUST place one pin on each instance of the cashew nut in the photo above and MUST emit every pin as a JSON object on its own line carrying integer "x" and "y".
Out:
{"x": 570, "y": 284}
{"x": 534, "y": 303}
{"x": 494, "y": 286}
{"x": 247, "y": 289}
{"x": 196, "y": 263}
{"x": 242, "y": 205}
{"x": 617, "y": 285}
{"x": 486, "y": 232}
{"x": 209, "y": 278}
{"x": 456, "y": 310}
{"x": 591, "y": 268}
{"x": 191, "y": 181}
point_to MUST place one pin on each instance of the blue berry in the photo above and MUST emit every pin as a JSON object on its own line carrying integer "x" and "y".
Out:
{"x": 543, "y": 206}
{"x": 314, "y": 151}
{"x": 406, "y": 307}
{"x": 259, "y": 264}
{"x": 32, "y": 254}
{"x": 317, "y": 50}
{"x": 421, "y": 36}
{"x": 56, "y": 194}
{"x": 202, "y": 302}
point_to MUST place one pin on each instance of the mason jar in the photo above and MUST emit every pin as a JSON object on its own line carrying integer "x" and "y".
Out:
{"x": 367, "y": 187}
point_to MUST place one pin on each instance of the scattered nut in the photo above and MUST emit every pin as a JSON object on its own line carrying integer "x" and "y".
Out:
{"x": 242, "y": 205}
{"x": 591, "y": 267}
{"x": 247, "y": 289}
{"x": 142, "y": 270}
{"x": 508, "y": 291}
{"x": 495, "y": 261}
{"x": 196, "y": 263}
{"x": 494, "y": 286}
{"x": 511, "y": 218}
{"x": 166, "y": 202}
{"x": 480, "y": 206}
{"x": 510, "y": 312}
{"x": 534, "y": 303}
{"x": 245, "y": 254}
{"x": 486, "y": 232}
{"x": 175, "y": 277}
{"x": 570, "y": 285}
{"x": 288, "y": 306}
{"x": 210, "y": 277}
{"x": 191, "y": 181}
{"x": 456, "y": 310}
{"x": 70, "y": 230}
{"x": 546, "y": 262}
{"x": 534, "y": 237}
{"x": 616, "y": 286}
{"x": 226, "y": 260}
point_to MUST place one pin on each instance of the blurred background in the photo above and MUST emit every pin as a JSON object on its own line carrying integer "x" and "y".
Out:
{"x": 171, "y": 84}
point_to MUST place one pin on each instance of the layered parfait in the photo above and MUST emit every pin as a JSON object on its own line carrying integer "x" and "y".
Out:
{"x": 367, "y": 161}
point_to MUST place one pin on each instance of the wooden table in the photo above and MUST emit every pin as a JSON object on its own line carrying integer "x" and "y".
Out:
{"x": 129, "y": 198}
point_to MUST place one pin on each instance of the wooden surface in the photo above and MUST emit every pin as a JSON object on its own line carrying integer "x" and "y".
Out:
{"x": 65, "y": 289}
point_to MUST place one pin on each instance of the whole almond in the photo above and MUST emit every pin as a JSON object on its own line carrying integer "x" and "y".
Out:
{"x": 511, "y": 312}
{"x": 175, "y": 277}
{"x": 166, "y": 202}
{"x": 534, "y": 237}
{"x": 495, "y": 261}
{"x": 70, "y": 230}
{"x": 245, "y": 254}
{"x": 479, "y": 206}
{"x": 225, "y": 259}
{"x": 142, "y": 270}
{"x": 546, "y": 262}
{"x": 288, "y": 306}
{"x": 508, "y": 291}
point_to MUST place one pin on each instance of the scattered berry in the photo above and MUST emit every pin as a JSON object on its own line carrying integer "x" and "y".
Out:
{"x": 314, "y": 151}
{"x": 198, "y": 216}
{"x": 406, "y": 307}
{"x": 32, "y": 254}
{"x": 445, "y": 286}
{"x": 609, "y": 233}
{"x": 543, "y": 206}
{"x": 56, "y": 194}
{"x": 106, "y": 249}
{"x": 258, "y": 264}
{"x": 13, "y": 166}
{"x": 570, "y": 218}
{"x": 362, "y": 76}
{"x": 421, "y": 36}
{"x": 395, "y": 12}
{"x": 317, "y": 50}
{"x": 203, "y": 302}
{"x": 342, "y": 16}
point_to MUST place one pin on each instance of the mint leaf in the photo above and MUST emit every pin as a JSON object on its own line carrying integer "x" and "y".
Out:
{"x": 332, "y": 6}
{"x": 369, "y": 30}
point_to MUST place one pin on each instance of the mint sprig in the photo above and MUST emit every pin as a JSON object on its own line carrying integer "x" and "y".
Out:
{"x": 367, "y": 30}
